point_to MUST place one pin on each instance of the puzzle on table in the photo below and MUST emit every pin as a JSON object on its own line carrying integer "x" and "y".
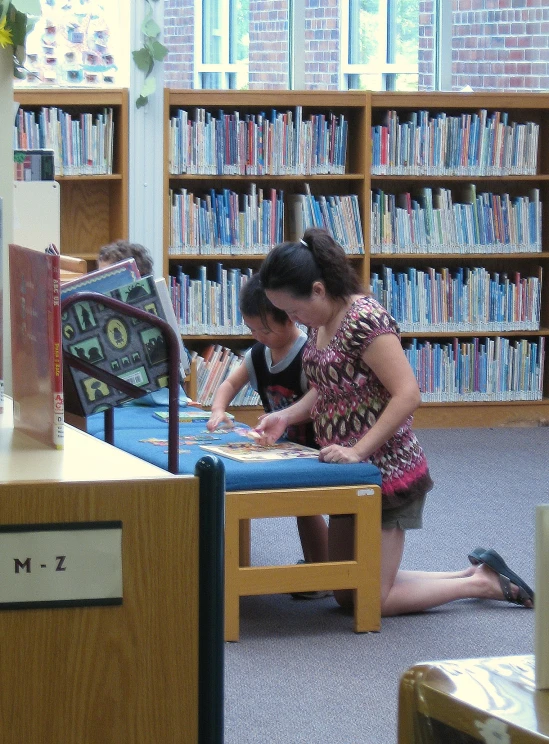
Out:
{"x": 253, "y": 452}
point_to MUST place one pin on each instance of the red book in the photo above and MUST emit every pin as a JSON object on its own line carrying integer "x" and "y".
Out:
{"x": 36, "y": 354}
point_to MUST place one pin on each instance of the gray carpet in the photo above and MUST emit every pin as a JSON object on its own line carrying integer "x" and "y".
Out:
{"x": 300, "y": 675}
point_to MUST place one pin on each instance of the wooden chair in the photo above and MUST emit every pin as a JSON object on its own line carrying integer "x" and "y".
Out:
{"x": 362, "y": 574}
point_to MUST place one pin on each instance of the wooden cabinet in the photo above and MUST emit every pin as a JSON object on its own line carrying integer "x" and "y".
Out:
{"x": 363, "y": 112}
{"x": 94, "y": 208}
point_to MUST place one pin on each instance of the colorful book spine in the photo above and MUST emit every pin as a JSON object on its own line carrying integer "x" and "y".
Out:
{"x": 37, "y": 370}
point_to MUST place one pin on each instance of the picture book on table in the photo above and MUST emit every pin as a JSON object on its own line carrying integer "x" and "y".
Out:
{"x": 113, "y": 341}
{"x": 253, "y": 452}
{"x": 37, "y": 370}
{"x": 103, "y": 280}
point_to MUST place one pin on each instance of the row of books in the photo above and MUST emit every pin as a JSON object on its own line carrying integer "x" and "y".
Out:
{"x": 82, "y": 144}
{"x": 469, "y": 144}
{"x": 277, "y": 143}
{"x": 226, "y": 222}
{"x": 460, "y": 299}
{"x": 212, "y": 368}
{"x": 489, "y": 369}
{"x": 229, "y": 223}
{"x": 339, "y": 215}
{"x": 209, "y": 306}
{"x": 431, "y": 222}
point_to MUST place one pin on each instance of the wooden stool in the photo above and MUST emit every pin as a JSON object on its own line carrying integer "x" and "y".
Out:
{"x": 362, "y": 575}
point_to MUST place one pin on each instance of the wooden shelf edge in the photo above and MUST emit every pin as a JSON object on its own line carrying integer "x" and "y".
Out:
{"x": 482, "y": 415}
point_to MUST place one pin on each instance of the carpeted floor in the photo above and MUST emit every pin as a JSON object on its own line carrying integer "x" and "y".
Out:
{"x": 301, "y": 676}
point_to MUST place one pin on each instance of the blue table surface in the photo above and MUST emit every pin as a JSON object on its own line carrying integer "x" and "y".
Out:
{"x": 133, "y": 424}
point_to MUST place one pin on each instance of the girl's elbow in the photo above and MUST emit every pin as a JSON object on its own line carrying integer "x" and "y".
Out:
{"x": 415, "y": 398}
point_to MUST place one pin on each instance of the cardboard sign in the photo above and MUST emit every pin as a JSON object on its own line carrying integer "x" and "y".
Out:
{"x": 60, "y": 565}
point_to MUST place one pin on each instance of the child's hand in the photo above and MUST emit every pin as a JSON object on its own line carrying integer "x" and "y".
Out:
{"x": 336, "y": 453}
{"x": 271, "y": 427}
{"x": 217, "y": 419}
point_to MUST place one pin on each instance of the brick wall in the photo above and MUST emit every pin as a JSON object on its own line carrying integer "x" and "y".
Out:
{"x": 426, "y": 56}
{"x": 179, "y": 38}
{"x": 496, "y": 44}
{"x": 501, "y": 44}
{"x": 268, "y": 58}
{"x": 321, "y": 46}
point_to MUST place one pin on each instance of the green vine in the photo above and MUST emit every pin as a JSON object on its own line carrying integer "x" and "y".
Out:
{"x": 17, "y": 19}
{"x": 152, "y": 51}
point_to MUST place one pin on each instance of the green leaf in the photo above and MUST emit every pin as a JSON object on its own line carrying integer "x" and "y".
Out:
{"x": 29, "y": 7}
{"x": 157, "y": 50}
{"x": 150, "y": 27}
{"x": 143, "y": 59}
{"x": 18, "y": 24}
{"x": 148, "y": 87}
{"x": 141, "y": 101}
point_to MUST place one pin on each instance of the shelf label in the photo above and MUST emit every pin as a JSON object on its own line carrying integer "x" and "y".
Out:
{"x": 70, "y": 564}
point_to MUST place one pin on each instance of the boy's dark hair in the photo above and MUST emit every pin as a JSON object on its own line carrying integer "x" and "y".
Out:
{"x": 255, "y": 304}
{"x": 122, "y": 249}
{"x": 295, "y": 267}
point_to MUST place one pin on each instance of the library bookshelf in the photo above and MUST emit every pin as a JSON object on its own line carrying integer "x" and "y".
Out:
{"x": 529, "y": 261}
{"x": 351, "y": 180}
{"x": 94, "y": 208}
{"x": 363, "y": 112}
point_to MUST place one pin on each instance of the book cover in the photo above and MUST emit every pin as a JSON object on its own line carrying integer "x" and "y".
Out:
{"x": 169, "y": 313}
{"x": 33, "y": 165}
{"x": 115, "y": 343}
{"x": 103, "y": 280}
{"x": 37, "y": 372}
{"x": 253, "y": 452}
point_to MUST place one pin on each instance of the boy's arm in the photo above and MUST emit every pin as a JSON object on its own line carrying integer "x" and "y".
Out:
{"x": 224, "y": 394}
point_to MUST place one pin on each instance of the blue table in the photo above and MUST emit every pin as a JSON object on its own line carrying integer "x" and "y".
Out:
{"x": 284, "y": 488}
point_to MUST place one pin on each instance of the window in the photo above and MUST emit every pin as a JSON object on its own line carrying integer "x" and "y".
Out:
{"x": 380, "y": 44}
{"x": 221, "y": 43}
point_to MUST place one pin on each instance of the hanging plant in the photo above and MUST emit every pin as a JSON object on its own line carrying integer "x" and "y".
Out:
{"x": 17, "y": 19}
{"x": 152, "y": 51}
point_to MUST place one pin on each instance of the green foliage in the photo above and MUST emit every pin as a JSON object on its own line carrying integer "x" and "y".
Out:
{"x": 152, "y": 51}
{"x": 20, "y": 17}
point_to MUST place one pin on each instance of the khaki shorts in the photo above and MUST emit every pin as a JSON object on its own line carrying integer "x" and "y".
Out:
{"x": 407, "y": 517}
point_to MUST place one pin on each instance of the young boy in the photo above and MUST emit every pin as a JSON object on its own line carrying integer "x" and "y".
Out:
{"x": 273, "y": 367}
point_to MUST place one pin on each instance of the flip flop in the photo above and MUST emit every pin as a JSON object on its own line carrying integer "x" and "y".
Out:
{"x": 475, "y": 556}
{"x": 506, "y": 577}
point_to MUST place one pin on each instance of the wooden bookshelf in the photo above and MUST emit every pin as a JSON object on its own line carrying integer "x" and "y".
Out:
{"x": 521, "y": 108}
{"x": 362, "y": 110}
{"x": 94, "y": 208}
{"x": 353, "y": 181}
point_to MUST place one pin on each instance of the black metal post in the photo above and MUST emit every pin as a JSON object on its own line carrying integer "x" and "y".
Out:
{"x": 211, "y": 577}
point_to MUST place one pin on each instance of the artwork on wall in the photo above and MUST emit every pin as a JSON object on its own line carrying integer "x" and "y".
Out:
{"x": 75, "y": 42}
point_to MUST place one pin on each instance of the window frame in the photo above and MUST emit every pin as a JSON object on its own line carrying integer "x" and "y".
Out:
{"x": 384, "y": 65}
{"x": 227, "y": 70}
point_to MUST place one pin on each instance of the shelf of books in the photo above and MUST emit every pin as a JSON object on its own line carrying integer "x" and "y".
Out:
{"x": 246, "y": 170}
{"x": 440, "y": 199}
{"x": 457, "y": 249}
{"x": 88, "y": 133}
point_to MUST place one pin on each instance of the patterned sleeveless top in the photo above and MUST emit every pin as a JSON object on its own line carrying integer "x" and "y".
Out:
{"x": 351, "y": 398}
